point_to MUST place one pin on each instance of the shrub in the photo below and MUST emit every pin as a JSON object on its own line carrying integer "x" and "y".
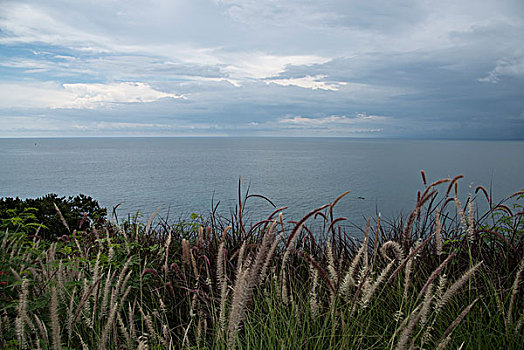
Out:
{"x": 33, "y": 214}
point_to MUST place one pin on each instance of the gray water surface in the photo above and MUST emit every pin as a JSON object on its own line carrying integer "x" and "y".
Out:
{"x": 184, "y": 174}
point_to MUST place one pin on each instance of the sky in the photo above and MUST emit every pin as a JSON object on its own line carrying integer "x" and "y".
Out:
{"x": 406, "y": 68}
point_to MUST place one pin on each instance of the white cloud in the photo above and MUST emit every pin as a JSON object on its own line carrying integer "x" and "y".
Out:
{"x": 66, "y": 58}
{"x": 306, "y": 121}
{"x": 27, "y": 24}
{"x": 33, "y": 94}
{"x": 332, "y": 119}
{"x": 26, "y": 64}
{"x": 505, "y": 67}
{"x": 78, "y": 96}
{"x": 233, "y": 82}
{"x": 34, "y": 23}
{"x": 308, "y": 82}
{"x": 365, "y": 116}
{"x": 126, "y": 125}
{"x": 413, "y": 59}
{"x": 96, "y": 95}
{"x": 30, "y": 24}
{"x": 29, "y": 123}
{"x": 277, "y": 13}
{"x": 47, "y": 125}
{"x": 333, "y": 125}
{"x": 261, "y": 66}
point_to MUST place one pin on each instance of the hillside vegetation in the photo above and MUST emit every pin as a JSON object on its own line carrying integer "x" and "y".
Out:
{"x": 446, "y": 276}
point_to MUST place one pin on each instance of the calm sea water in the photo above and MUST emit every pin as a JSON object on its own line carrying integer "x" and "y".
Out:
{"x": 183, "y": 175}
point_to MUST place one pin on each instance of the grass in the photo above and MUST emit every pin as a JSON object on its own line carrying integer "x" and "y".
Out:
{"x": 444, "y": 277}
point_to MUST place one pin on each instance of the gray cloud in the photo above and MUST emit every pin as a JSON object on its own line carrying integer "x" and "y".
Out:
{"x": 228, "y": 67}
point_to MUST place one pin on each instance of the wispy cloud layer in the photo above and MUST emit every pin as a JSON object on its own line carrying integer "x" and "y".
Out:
{"x": 100, "y": 95}
{"x": 308, "y": 82}
{"x": 79, "y": 96}
{"x": 506, "y": 67}
{"x": 262, "y": 67}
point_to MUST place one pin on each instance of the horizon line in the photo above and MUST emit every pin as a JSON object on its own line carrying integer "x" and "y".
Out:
{"x": 266, "y": 136}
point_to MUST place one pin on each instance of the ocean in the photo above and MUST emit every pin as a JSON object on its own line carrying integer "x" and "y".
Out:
{"x": 186, "y": 175}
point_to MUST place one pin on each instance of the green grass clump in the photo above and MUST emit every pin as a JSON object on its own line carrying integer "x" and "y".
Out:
{"x": 445, "y": 277}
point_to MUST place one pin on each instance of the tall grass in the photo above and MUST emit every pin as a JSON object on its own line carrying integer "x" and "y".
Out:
{"x": 446, "y": 277}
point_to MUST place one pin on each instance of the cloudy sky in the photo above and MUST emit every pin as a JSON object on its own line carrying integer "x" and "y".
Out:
{"x": 407, "y": 68}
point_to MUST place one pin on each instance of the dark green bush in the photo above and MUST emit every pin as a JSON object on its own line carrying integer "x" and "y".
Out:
{"x": 33, "y": 214}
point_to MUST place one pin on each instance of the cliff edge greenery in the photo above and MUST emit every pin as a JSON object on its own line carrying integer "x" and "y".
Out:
{"x": 446, "y": 276}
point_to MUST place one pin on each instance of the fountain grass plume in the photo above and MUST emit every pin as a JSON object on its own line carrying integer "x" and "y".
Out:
{"x": 197, "y": 286}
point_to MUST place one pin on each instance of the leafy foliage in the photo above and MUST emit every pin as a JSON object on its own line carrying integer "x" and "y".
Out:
{"x": 32, "y": 214}
{"x": 189, "y": 285}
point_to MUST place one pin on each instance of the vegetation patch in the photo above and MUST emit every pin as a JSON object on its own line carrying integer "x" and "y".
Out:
{"x": 446, "y": 276}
